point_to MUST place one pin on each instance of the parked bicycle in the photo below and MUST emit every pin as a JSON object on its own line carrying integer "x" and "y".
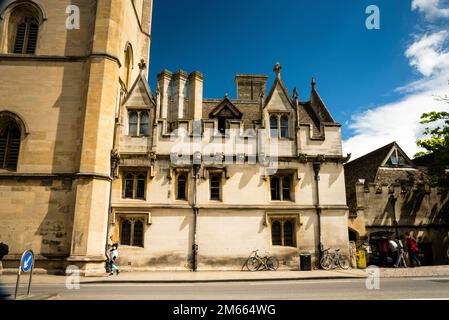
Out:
{"x": 333, "y": 258}
{"x": 256, "y": 262}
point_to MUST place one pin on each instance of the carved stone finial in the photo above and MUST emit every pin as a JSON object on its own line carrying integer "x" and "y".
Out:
{"x": 295, "y": 94}
{"x": 313, "y": 82}
{"x": 277, "y": 69}
{"x": 142, "y": 64}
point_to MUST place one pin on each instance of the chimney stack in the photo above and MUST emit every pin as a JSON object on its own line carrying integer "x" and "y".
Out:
{"x": 180, "y": 80}
{"x": 163, "y": 80}
{"x": 196, "y": 95}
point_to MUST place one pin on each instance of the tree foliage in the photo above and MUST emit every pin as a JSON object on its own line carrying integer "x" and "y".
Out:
{"x": 436, "y": 142}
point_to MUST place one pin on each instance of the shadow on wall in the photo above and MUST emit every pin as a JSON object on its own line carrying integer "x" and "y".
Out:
{"x": 56, "y": 227}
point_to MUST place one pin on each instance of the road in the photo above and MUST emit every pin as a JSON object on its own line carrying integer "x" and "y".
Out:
{"x": 402, "y": 288}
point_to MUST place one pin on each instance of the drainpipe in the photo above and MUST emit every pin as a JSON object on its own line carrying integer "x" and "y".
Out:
{"x": 196, "y": 168}
{"x": 316, "y": 169}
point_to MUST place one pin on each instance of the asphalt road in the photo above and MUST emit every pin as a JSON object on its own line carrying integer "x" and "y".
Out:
{"x": 398, "y": 288}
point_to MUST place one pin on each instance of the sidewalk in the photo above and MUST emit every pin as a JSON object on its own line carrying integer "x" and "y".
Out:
{"x": 200, "y": 276}
{"x": 233, "y": 276}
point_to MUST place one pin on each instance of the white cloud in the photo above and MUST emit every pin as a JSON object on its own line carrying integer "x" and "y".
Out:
{"x": 426, "y": 54}
{"x": 399, "y": 121}
{"x": 430, "y": 8}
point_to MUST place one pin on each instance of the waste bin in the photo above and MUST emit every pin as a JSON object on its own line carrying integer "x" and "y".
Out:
{"x": 305, "y": 262}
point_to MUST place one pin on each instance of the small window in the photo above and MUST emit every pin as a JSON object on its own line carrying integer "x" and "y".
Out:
{"x": 144, "y": 124}
{"x": 284, "y": 127}
{"x": 215, "y": 186}
{"x": 9, "y": 145}
{"x": 275, "y": 186}
{"x": 283, "y": 232}
{"x": 125, "y": 233}
{"x": 138, "y": 234}
{"x": 182, "y": 187}
{"x": 133, "y": 123}
{"x": 134, "y": 186}
{"x": 281, "y": 188}
{"x": 132, "y": 231}
{"x": 139, "y": 123}
{"x": 276, "y": 233}
{"x": 221, "y": 124}
{"x": 273, "y": 126}
{"x": 128, "y": 65}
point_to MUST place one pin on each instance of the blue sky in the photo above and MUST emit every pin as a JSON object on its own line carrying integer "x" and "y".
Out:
{"x": 358, "y": 71}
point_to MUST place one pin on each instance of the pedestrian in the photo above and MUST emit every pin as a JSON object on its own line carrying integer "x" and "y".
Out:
{"x": 393, "y": 246}
{"x": 4, "y": 250}
{"x": 400, "y": 259}
{"x": 412, "y": 249}
{"x": 383, "y": 251}
{"x": 113, "y": 255}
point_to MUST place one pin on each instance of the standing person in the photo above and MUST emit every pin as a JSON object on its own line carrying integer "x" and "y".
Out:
{"x": 412, "y": 249}
{"x": 113, "y": 255}
{"x": 393, "y": 246}
{"x": 383, "y": 251}
{"x": 4, "y": 250}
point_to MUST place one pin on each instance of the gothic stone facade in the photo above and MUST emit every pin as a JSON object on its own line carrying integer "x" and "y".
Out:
{"x": 172, "y": 176}
{"x": 387, "y": 191}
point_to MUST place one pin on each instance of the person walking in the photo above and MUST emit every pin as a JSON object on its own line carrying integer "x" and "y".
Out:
{"x": 113, "y": 255}
{"x": 393, "y": 246}
{"x": 412, "y": 249}
{"x": 400, "y": 259}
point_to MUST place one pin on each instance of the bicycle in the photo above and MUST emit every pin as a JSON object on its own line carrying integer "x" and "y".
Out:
{"x": 256, "y": 262}
{"x": 332, "y": 259}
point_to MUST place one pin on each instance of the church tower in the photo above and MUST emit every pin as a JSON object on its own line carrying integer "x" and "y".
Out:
{"x": 64, "y": 67}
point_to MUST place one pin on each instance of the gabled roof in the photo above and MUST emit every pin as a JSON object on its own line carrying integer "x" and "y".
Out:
{"x": 140, "y": 90}
{"x": 318, "y": 106}
{"x": 226, "y": 103}
{"x": 367, "y": 165}
{"x": 278, "y": 82}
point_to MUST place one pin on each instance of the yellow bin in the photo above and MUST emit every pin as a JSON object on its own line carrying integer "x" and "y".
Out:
{"x": 361, "y": 258}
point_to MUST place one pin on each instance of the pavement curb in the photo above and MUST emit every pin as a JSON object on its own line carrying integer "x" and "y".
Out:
{"x": 220, "y": 280}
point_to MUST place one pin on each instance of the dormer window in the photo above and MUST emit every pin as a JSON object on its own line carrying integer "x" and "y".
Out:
{"x": 139, "y": 123}
{"x": 396, "y": 159}
{"x": 279, "y": 126}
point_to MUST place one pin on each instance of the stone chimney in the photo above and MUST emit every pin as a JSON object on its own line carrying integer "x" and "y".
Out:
{"x": 249, "y": 86}
{"x": 196, "y": 95}
{"x": 180, "y": 80}
{"x": 163, "y": 82}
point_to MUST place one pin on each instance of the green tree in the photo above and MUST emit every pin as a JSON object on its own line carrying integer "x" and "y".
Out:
{"x": 436, "y": 142}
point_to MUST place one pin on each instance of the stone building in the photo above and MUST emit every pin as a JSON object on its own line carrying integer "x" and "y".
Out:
{"x": 387, "y": 191}
{"x": 60, "y": 91}
{"x": 89, "y": 152}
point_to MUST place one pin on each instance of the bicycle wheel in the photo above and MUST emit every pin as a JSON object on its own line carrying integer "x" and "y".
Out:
{"x": 272, "y": 263}
{"x": 326, "y": 262}
{"x": 343, "y": 262}
{"x": 253, "y": 264}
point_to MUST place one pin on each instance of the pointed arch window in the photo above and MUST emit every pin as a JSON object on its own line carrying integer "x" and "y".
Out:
{"x": 23, "y": 25}
{"x": 10, "y": 135}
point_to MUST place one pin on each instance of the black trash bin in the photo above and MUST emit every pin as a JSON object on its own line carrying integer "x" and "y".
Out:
{"x": 305, "y": 262}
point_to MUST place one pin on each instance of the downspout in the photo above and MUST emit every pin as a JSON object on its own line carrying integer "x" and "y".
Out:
{"x": 316, "y": 169}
